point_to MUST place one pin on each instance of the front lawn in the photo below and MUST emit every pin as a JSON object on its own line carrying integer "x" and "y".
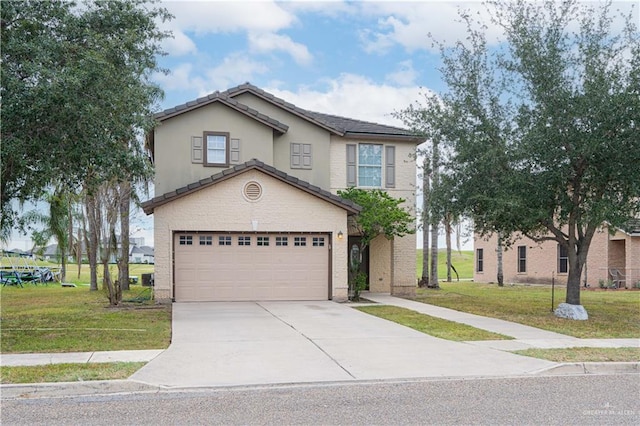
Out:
{"x": 69, "y": 372}
{"x": 612, "y": 314}
{"x": 55, "y": 319}
{"x": 427, "y": 324}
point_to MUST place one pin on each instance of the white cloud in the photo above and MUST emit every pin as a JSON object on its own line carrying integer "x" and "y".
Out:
{"x": 268, "y": 42}
{"x": 203, "y": 17}
{"x": 405, "y": 75}
{"x": 409, "y": 24}
{"x": 235, "y": 69}
{"x": 354, "y": 96}
{"x": 180, "y": 44}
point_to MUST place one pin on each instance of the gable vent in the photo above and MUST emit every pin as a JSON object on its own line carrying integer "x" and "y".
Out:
{"x": 252, "y": 191}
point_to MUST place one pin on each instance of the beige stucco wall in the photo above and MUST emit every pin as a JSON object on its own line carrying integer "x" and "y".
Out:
{"x": 300, "y": 131}
{"x": 173, "y": 144}
{"x": 542, "y": 261}
{"x": 282, "y": 208}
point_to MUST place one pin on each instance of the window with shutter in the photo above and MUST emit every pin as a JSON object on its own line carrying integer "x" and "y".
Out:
{"x": 216, "y": 149}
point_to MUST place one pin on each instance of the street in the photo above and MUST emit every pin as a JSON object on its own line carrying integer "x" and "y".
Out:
{"x": 567, "y": 400}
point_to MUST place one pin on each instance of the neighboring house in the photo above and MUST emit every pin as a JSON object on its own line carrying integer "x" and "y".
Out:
{"x": 247, "y": 206}
{"x": 142, "y": 254}
{"x": 612, "y": 257}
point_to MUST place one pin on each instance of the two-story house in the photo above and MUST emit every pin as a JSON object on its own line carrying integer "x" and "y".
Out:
{"x": 613, "y": 259}
{"x": 246, "y": 205}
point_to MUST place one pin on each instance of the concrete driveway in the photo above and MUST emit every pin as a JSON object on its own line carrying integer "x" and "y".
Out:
{"x": 249, "y": 343}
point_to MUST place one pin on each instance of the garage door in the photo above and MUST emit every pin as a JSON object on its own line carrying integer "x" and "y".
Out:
{"x": 236, "y": 267}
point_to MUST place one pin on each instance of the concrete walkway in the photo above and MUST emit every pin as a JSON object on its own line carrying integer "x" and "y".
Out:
{"x": 526, "y": 337}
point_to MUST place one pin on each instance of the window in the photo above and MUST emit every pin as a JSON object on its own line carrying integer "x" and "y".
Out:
{"x": 301, "y": 156}
{"x": 563, "y": 259}
{"x": 186, "y": 240}
{"x": 244, "y": 241}
{"x": 370, "y": 165}
{"x": 206, "y": 240}
{"x": 479, "y": 260}
{"x": 365, "y": 166}
{"x": 300, "y": 241}
{"x": 263, "y": 241}
{"x": 318, "y": 241}
{"x": 522, "y": 258}
{"x": 282, "y": 241}
{"x": 224, "y": 240}
{"x": 216, "y": 152}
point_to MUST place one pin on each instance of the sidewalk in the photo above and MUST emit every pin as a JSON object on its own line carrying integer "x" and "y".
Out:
{"x": 14, "y": 360}
{"x": 526, "y": 337}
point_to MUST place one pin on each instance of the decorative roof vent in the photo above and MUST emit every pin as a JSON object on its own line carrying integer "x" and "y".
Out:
{"x": 252, "y": 191}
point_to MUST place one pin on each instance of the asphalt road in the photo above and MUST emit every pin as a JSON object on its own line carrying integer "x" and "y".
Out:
{"x": 566, "y": 400}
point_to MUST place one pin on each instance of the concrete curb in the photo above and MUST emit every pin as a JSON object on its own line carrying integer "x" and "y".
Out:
{"x": 68, "y": 389}
{"x": 125, "y": 387}
{"x": 592, "y": 368}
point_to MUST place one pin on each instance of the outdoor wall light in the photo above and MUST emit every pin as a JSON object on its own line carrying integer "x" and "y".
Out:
{"x": 340, "y": 235}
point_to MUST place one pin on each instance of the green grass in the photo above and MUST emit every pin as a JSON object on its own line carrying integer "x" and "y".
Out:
{"x": 55, "y": 319}
{"x": 427, "y": 324}
{"x": 585, "y": 354}
{"x": 135, "y": 269}
{"x": 614, "y": 314}
{"x": 69, "y": 372}
{"x": 462, "y": 261}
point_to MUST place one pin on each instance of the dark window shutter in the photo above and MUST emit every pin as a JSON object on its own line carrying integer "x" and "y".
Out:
{"x": 296, "y": 156}
{"x": 390, "y": 166}
{"x": 351, "y": 165}
{"x": 196, "y": 149}
{"x": 234, "y": 151}
{"x": 306, "y": 156}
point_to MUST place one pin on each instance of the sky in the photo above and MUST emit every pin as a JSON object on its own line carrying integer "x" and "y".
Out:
{"x": 362, "y": 59}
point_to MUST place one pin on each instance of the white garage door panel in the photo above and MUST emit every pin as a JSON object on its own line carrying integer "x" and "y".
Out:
{"x": 227, "y": 273}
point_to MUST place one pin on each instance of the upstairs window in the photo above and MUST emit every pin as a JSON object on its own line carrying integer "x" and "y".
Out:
{"x": 370, "y": 165}
{"x": 216, "y": 151}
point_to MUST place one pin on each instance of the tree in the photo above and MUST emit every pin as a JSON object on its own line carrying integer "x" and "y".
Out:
{"x": 381, "y": 214}
{"x": 426, "y": 193}
{"x": 77, "y": 98}
{"x": 543, "y": 127}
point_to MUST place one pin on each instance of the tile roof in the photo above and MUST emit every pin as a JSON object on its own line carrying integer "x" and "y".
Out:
{"x": 226, "y": 100}
{"x": 349, "y": 206}
{"x": 341, "y": 126}
{"x": 632, "y": 227}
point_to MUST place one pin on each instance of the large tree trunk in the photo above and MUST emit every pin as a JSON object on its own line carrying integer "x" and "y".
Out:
{"x": 123, "y": 255}
{"x": 433, "y": 283}
{"x": 93, "y": 239}
{"x": 447, "y": 230}
{"x": 499, "y": 252}
{"x": 435, "y": 220}
{"x": 424, "y": 280}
